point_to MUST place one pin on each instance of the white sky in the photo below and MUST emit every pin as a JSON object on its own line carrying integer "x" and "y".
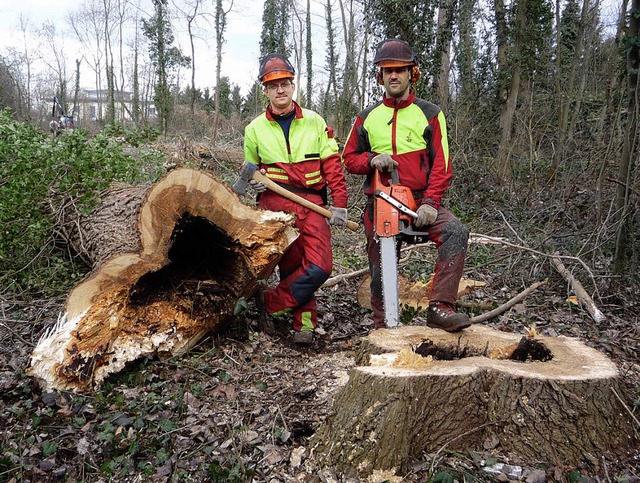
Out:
{"x": 240, "y": 52}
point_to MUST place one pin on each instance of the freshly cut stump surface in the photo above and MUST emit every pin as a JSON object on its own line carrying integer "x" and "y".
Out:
{"x": 419, "y": 391}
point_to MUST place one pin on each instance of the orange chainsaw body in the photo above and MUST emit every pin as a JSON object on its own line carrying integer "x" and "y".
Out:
{"x": 387, "y": 218}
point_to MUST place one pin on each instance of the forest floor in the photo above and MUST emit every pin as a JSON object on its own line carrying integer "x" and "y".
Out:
{"x": 242, "y": 405}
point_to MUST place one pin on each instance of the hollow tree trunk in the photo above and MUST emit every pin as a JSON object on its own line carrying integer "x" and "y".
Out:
{"x": 419, "y": 390}
{"x": 170, "y": 262}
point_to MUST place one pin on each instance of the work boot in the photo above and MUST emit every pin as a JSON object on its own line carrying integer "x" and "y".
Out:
{"x": 443, "y": 316}
{"x": 303, "y": 337}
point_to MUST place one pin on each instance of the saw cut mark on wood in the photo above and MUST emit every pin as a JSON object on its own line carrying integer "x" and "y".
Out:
{"x": 538, "y": 399}
{"x": 199, "y": 250}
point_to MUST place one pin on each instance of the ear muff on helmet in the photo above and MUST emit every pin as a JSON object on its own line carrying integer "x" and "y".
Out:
{"x": 415, "y": 74}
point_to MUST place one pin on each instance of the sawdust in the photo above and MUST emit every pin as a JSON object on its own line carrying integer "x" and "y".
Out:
{"x": 408, "y": 358}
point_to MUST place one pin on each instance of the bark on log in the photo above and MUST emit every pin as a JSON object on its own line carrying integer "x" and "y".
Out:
{"x": 480, "y": 389}
{"x": 170, "y": 263}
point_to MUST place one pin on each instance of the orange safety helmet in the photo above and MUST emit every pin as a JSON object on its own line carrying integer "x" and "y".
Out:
{"x": 396, "y": 53}
{"x": 274, "y": 67}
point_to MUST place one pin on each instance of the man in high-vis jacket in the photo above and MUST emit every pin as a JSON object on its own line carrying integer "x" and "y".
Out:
{"x": 409, "y": 134}
{"x": 295, "y": 148}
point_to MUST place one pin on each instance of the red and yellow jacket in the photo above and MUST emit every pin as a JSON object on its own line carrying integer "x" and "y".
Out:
{"x": 307, "y": 164}
{"x": 414, "y": 133}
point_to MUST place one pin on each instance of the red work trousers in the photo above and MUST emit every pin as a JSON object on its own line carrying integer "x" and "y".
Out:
{"x": 304, "y": 267}
{"x": 451, "y": 239}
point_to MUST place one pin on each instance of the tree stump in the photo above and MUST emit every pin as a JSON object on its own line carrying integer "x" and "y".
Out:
{"x": 419, "y": 390}
{"x": 170, "y": 262}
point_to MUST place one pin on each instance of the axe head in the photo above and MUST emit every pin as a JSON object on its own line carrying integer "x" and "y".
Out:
{"x": 246, "y": 175}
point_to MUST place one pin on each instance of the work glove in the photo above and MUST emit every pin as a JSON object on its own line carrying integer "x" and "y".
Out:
{"x": 257, "y": 186}
{"x": 338, "y": 216}
{"x": 383, "y": 162}
{"x": 427, "y": 215}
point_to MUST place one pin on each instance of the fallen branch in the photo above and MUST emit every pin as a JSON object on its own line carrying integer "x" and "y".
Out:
{"x": 344, "y": 276}
{"x": 507, "y": 305}
{"x": 475, "y": 238}
{"x": 583, "y": 297}
{"x": 625, "y": 406}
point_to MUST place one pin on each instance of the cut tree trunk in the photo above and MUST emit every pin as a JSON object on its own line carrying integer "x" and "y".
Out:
{"x": 418, "y": 390}
{"x": 170, "y": 263}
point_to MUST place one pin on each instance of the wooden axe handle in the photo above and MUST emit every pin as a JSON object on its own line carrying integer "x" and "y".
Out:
{"x": 276, "y": 188}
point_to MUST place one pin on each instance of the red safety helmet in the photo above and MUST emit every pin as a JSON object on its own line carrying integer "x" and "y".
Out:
{"x": 274, "y": 67}
{"x": 394, "y": 53}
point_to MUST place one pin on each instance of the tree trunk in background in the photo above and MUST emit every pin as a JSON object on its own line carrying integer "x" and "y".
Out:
{"x": 309, "y": 57}
{"x": 221, "y": 25}
{"x": 170, "y": 262}
{"x": 419, "y": 391}
{"x": 466, "y": 50}
{"x": 299, "y": 50}
{"x": 503, "y": 167}
{"x": 446, "y": 13}
{"x": 331, "y": 89}
{"x": 625, "y": 210}
{"x": 566, "y": 93}
{"x": 108, "y": 57}
{"x": 76, "y": 88}
{"x": 502, "y": 37}
{"x": 350, "y": 85}
{"x": 192, "y": 97}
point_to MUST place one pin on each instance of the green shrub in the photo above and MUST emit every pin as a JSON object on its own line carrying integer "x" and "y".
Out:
{"x": 34, "y": 169}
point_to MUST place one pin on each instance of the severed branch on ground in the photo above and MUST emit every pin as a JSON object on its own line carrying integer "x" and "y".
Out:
{"x": 480, "y": 239}
{"x": 583, "y": 297}
{"x": 507, "y": 305}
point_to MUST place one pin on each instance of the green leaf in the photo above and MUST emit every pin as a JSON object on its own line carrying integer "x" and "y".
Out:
{"x": 49, "y": 448}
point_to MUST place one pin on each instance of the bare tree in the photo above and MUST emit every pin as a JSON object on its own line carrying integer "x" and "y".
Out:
{"x": 630, "y": 151}
{"x": 297, "y": 33}
{"x": 192, "y": 12}
{"x": 566, "y": 92}
{"x": 24, "y": 28}
{"x": 57, "y": 62}
{"x": 86, "y": 24}
{"x": 111, "y": 107}
{"x": 446, "y": 13}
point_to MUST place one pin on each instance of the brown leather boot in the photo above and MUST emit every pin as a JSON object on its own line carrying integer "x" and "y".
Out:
{"x": 443, "y": 316}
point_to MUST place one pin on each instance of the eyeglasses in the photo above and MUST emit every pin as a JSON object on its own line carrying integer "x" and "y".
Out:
{"x": 281, "y": 85}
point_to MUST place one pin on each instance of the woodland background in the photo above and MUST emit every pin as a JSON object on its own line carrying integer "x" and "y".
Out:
{"x": 541, "y": 100}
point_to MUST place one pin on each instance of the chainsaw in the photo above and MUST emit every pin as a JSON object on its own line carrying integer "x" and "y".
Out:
{"x": 394, "y": 210}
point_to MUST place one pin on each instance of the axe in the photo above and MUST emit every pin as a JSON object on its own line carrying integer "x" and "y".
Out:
{"x": 250, "y": 171}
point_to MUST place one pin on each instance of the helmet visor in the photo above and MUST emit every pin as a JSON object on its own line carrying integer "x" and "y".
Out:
{"x": 395, "y": 63}
{"x": 277, "y": 74}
